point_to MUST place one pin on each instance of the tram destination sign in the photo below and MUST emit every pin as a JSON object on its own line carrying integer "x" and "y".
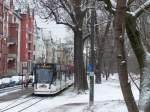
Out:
{"x": 46, "y": 66}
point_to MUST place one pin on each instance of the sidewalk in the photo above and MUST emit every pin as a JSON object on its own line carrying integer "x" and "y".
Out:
{"x": 72, "y": 107}
{"x": 101, "y": 106}
{"x": 16, "y": 94}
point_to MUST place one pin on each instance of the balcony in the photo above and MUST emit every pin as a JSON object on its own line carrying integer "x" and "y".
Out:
{"x": 30, "y": 31}
{"x": 11, "y": 57}
{"x": 29, "y": 38}
{"x": 30, "y": 41}
{"x": 30, "y": 51}
{"x": 11, "y": 41}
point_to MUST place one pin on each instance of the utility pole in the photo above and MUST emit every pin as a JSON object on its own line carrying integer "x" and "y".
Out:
{"x": 91, "y": 75}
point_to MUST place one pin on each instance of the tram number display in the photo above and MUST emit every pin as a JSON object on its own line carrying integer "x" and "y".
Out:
{"x": 45, "y": 66}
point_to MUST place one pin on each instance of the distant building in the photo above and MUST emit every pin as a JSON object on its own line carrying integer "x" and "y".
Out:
{"x": 65, "y": 53}
{"x": 57, "y": 52}
{"x": 40, "y": 48}
{"x": 50, "y": 51}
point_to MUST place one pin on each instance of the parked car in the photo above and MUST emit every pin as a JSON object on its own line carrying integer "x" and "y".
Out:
{"x": 6, "y": 82}
{"x": 1, "y": 84}
{"x": 19, "y": 79}
{"x": 16, "y": 79}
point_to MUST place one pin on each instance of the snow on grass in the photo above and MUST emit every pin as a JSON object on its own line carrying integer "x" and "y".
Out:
{"x": 108, "y": 98}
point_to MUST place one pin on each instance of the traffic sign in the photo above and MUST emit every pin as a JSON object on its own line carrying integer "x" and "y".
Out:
{"x": 90, "y": 67}
{"x": 91, "y": 74}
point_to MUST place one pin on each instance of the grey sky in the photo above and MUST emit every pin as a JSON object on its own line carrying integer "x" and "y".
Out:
{"x": 57, "y": 31}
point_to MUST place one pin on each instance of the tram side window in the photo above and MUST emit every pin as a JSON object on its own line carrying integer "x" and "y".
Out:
{"x": 44, "y": 76}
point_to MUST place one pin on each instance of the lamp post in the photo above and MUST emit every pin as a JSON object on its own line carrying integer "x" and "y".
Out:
{"x": 91, "y": 75}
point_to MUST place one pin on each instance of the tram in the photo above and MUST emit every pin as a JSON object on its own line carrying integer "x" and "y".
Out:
{"x": 51, "y": 78}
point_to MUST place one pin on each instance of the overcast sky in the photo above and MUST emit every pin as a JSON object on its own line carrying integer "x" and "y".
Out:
{"x": 57, "y": 31}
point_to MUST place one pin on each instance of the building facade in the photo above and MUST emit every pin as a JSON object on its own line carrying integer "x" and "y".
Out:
{"x": 65, "y": 53}
{"x": 16, "y": 39}
{"x": 27, "y": 42}
{"x": 13, "y": 44}
{"x": 40, "y": 48}
{"x": 50, "y": 51}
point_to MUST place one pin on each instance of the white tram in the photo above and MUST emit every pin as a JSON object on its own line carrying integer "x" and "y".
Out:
{"x": 52, "y": 78}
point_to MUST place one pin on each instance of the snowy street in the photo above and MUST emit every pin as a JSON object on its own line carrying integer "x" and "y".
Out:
{"x": 66, "y": 55}
{"x": 107, "y": 98}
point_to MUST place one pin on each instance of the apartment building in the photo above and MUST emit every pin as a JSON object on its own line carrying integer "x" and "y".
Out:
{"x": 27, "y": 42}
{"x": 16, "y": 39}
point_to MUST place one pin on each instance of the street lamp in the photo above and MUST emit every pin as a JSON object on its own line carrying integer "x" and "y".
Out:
{"x": 91, "y": 65}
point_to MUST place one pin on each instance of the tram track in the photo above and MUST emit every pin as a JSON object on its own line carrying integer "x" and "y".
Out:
{"x": 8, "y": 89}
{"x": 31, "y": 105}
{"x": 12, "y": 106}
{"x": 21, "y": 105}
{"x": 12, "y": 103}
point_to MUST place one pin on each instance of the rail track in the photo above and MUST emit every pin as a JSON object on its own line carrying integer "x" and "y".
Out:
{"x": 23, "y": 105}
{"x": 20, "y": 105}
{"x": 8, "y": 89}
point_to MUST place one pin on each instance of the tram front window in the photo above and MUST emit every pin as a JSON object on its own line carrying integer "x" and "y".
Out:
{"x": 44, "y": 76}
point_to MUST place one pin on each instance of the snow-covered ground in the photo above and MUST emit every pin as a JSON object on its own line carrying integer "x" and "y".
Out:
{"x": 5, "y": 93}
{"x": 108, "y": 98}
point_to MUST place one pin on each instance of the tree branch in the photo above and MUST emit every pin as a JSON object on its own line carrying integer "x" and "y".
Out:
{"x": 109, "y": 6}
{"x": 141, "y": 9}
{"x": 59, "y": 22}
{"x": 54, "y": 13}
{"x": 66, "y": 9}
{"x": 86, "y": 37}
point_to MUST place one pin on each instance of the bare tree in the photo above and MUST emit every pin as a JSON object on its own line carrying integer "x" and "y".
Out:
{"x": 101, "y": 45}
{"x": 121, "y": 57}
{"x": 137, "y": 46}
{"x": 70, "y": 13}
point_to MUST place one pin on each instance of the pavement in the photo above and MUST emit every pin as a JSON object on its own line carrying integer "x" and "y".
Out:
{"x": 17, "y": 94}
{"x": 72, "y": 107}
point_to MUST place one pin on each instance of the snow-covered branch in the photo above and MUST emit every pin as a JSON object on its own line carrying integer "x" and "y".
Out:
{"x": 141, "y": 9}
{"x": 110, "y": 5}
{"x": 113, "y": 3}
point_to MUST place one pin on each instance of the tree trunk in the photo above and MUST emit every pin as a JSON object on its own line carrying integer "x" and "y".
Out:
{"x": 141, "y": 55}
{"x": 143, "y": 60}
{"x": 80, "y": 76}
{"x": 144, "y": 103}
{"x": 121, "y": 58}
{"x": 134, "y": 37}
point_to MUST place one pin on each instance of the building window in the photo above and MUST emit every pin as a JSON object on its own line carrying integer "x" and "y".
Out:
{"x": 14, "y": 19}
{"x": 34, "y": 47}
{"x": 33, "y": 57}
{"x": 29, "y": 37}
{"x": 29, "y": 56}
{"x": 29, "y": 46}
{"x": 10, "y": 18}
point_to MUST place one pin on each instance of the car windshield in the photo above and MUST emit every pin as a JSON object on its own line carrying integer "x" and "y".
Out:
{"x": 44, "y": 76}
